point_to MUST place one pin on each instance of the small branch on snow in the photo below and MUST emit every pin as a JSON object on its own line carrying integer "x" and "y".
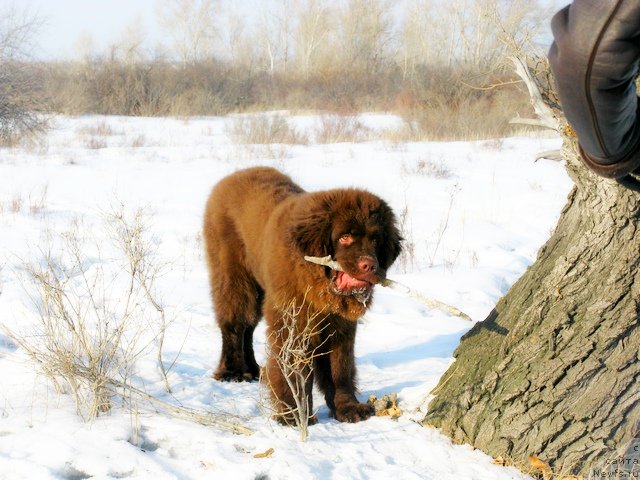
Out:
{"x": 184, "y": 413}
{"x": 534, "y": 122}
{"x": 555, "y": 155}
{"x": 399, "y": 287}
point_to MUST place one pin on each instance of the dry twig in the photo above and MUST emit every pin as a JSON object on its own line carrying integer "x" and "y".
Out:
{"x": 296, "y": 348}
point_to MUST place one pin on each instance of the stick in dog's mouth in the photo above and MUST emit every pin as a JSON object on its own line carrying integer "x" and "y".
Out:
{"x": 363, "y": 293}
{"x": 325, "y": 262}
{"x": 431, "y": 303}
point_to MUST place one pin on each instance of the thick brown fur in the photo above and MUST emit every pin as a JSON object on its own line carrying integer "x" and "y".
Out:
{"x": 258, "y": 226}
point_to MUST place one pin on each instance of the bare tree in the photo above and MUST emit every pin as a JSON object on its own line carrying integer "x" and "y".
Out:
{"x": 240, "y": 45}
{"x": 313, "y": 29}
{"x": 552, "y": 373}
{"x": 129, "y": 48}
{"x": 473, "y": 34}
{"x": 365, "y": 34}
{"x": 415, "y": 49}
{"x": 17, "y": 32}
{"x": 482, "y": 26}
{"x": 21, "y": 99}
{"x": 191, "y": 26}
{"x": 85, "y": 47}
{"x": 273, "y": 36}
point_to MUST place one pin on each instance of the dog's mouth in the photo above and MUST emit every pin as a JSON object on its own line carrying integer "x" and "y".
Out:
{"x": 347, "y": 285}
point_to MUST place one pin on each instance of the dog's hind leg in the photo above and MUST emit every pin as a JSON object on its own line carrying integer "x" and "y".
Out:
{"x": 236, "y": 310}
{"x": 249, "y": 358}
{"x": 237, "y": 300}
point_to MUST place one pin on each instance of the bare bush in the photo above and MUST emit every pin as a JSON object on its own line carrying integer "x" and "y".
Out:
{"x": 22, "y": 109}
{"x": 265, "y": 129}
{"x": 97, "y": 315}
{"x": 138, "y": 141}
{"x": 131, "y": 235}
{"x": 341, "y": 129}
{"x": 14, "y": 205}
{"x": 94, "y": 135}
{"x": 431, "y": 168}
{"x": 93, "y": 316}
{"x": 152, "y": 87}
{"x": 113, "y": 87}
{"x": 100, "y": 128}
{"x": 95, "y": 143}
{"x": 446, "y": 107}
{"x": 294, "y": 354}
{"x": 439, "y": 104}
{"x": 38, "y": 201}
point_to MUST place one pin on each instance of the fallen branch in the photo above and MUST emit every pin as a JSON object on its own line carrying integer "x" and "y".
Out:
{"x": 202, "y": 417}
{"x": 126, "y": 390}
{"x": 555, "y": 155}
{"x": 533, "y": 122}
{"x": 399, "y": 287}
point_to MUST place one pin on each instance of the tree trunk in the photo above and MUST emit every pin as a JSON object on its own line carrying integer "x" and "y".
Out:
{"x": 554, "y": 370}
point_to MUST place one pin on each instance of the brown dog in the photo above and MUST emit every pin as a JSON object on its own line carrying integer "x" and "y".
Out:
{"x": 258, "y": 226}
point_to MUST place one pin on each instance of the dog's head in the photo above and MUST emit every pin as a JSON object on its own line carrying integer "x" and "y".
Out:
{"x": 358, "y": 230}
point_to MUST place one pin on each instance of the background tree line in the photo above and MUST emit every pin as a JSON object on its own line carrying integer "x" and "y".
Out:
{"x": 433, "y": 62}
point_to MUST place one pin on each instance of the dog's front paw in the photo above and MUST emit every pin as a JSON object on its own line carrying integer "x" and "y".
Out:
{"x": 353, "y": 412}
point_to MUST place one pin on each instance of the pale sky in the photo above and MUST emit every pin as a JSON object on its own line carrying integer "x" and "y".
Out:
{"x": 68, "y": 24}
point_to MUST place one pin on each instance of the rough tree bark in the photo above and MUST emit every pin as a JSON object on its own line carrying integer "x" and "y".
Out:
{"x": 554, "y": 370}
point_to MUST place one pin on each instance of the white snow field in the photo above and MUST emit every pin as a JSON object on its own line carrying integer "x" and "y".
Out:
{"x": 473, "y": 215}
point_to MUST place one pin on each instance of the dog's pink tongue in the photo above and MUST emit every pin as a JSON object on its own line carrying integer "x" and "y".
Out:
{"x": 344, "y": 281}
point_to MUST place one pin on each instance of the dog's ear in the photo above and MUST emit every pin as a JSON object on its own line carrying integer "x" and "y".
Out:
{"x": 311, "y": 232}
{"x": 391, "y": 243}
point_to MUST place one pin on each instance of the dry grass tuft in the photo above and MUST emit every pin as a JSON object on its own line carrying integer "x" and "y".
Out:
{"x": 406, "y": 261}
{"x": 341, "y": 129}
{"x": 265, "y": 130}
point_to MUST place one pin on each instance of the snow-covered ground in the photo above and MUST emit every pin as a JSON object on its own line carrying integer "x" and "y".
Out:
{"x": 473, "y": 214}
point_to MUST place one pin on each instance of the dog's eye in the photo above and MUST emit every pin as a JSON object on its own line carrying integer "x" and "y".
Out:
{"x": 346, "y": 239}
